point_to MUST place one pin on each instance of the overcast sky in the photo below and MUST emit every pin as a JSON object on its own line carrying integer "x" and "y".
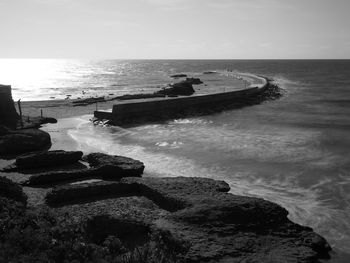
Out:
{"x": 188, "y": 29}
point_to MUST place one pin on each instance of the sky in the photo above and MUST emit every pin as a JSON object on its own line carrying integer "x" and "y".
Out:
{"x": 175, "y": 29}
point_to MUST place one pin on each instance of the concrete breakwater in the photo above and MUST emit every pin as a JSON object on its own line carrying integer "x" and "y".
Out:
{"x": 124, "y": 112}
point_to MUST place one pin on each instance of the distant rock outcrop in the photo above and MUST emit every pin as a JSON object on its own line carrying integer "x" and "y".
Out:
{"x": 181, "y": 88}
{"x": 194, "y": 81}
{"x": 179, "y": 75}
{"x": 8, "y": 114}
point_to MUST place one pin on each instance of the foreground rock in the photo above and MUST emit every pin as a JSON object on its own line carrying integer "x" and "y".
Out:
{"x": 4, "y": 130}
{"x": 11, "y": 190}
{"x": 110, "y": 165}
{"x": 23, "y": 141}
{"x": 202, "y": 222}
{"x": 48, "y": 159}
{"x": 55, "y": 177}
{"x": 102, "y": 166}
{"x": 44, "y": 160}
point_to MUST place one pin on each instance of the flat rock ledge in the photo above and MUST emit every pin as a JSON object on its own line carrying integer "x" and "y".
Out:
{"x": 102, "y": 166}
{"x": 24, "y": 141}
{"x": 201, "y": 220}
{"x": 43, "y": 160}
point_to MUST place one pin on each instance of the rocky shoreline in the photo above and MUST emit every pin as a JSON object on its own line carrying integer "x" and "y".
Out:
{"x": 206, "y": 223}
{"x": 58, "y": 205}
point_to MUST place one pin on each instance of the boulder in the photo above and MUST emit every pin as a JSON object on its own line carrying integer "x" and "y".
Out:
{"x": 102, "y": 166}
{"x": 8, "y": 113}
{"x": 23, "y": 141}
{"x": 112, "y": 166}
{"x": 48, "y": 159}
{"x": 54, "y": 177}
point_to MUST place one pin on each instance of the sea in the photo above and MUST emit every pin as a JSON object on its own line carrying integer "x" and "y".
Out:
{"x": 294, "y": 151}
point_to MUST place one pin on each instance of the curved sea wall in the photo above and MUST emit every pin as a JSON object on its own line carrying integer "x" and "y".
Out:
{"x": 128, "y": 111}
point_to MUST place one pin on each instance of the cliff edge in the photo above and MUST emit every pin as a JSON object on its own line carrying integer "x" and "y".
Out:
{"x": 8, "y": 113}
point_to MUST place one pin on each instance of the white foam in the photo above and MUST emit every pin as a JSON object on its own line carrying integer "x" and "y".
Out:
{"x": 189, "y": 148}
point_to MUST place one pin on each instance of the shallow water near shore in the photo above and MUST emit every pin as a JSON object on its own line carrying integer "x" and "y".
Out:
{"x": 293, "y": 151}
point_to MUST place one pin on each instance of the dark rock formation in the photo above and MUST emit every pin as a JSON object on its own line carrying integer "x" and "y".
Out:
{"x": 4, "y": 130}
{"x": 130, "y": 231}
{"x": 182, "y": 88}
{"x": 71, "y": 193}
{"x": 44, "y": 159}
{"x": 103, "y": 166}
{"x": 48, "y": 159}
{"x": 210, "y": 224}
{"x": 194, "y": 81}
{"x": 8, "y": 114}
{"x": 11, "y": 190}
{"x": 88, "y": 101}
{"x": 54, "y": 177}
{"x": 112, "y": 165}
{"x": 22, "y": 141}
{"x": 139, "y": 96}
{"x": 179, "y": 76}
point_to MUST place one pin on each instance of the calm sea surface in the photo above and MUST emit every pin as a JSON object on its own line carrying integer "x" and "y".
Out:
{"x": 294, "y": 151}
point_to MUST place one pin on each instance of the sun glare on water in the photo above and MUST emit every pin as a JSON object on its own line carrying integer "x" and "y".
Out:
{"x": 31, "y": 78}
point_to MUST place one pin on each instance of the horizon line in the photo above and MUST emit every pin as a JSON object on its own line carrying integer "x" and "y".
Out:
{"x": 68, "y": 58}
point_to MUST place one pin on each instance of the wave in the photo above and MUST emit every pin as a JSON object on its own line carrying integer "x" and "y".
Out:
{"x": 306, "y": 205}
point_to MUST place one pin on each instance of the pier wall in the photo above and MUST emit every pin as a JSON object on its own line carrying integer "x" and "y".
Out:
{"x": 127, "y": 111}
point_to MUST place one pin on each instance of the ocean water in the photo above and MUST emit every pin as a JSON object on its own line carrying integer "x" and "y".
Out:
{"x": 294, "y": 151}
